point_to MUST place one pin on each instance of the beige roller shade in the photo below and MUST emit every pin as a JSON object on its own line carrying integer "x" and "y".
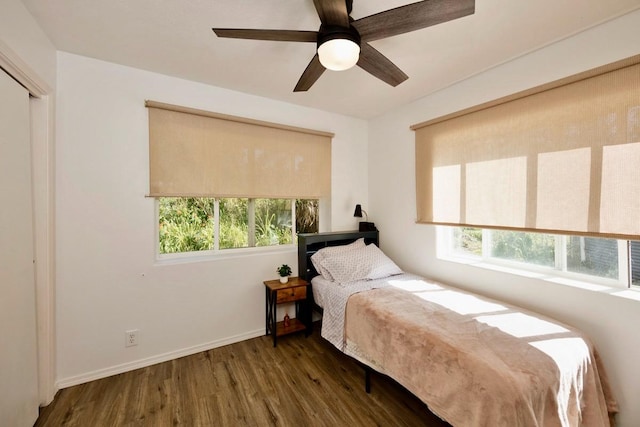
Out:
{"x": 195, "y": 153}
{"x": 564, "y": 158}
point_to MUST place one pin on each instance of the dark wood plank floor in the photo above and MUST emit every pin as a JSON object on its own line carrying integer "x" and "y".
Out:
{"x": 302, "y": 382}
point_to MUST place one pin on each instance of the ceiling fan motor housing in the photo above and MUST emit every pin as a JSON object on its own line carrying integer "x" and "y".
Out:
{"x": 332, "y": 32}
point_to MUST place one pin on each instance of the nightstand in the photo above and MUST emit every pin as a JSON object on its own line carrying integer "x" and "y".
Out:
{"x": 295, "y": 290}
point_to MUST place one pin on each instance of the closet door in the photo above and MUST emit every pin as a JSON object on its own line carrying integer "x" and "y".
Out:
{"x": 18, "y": 350}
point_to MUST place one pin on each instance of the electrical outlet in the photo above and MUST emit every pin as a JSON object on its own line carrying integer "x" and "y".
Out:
{"x": 131, "y": 338}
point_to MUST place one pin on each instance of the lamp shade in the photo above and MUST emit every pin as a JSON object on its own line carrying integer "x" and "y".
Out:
{"x": 358, "y": 211}
{"x": 339, "y": 54}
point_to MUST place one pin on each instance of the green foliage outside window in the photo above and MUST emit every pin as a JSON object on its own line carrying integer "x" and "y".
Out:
{"x": 273, "y": 222}
{"x": 533, "y": 248}
{"x": 187, "y": 224}
{"x": 468, "y": 240}
{"x": 234, "y": 223}
{"x": 584, "y": 255}
{"x": 307, "y": 216}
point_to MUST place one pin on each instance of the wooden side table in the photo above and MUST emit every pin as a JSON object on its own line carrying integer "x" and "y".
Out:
{"x": 295, "y": 290}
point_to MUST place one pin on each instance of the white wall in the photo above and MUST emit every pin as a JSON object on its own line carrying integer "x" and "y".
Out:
{"x": 20, "y": 32}
{"x": 107, "y": 281}
{"x": 611, "y": 321}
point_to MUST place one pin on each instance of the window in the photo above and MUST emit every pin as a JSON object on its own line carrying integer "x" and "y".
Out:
{"x": 190, "y": 224}
{"x": 599, "y": 260}
{"x": 224, "y": 182}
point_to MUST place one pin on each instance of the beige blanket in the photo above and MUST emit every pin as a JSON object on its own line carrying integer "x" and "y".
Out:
{"x": 478, "y": 362}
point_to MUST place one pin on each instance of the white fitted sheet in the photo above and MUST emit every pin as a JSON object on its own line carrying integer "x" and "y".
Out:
{"x": 319, "y": 286}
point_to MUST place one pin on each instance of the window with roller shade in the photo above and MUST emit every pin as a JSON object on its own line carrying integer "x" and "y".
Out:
{"x": 544, "y": 179}
{"x": 225, "y": 182}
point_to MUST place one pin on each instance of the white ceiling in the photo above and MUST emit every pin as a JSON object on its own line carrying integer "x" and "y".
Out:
{"x": 174, "y": 37}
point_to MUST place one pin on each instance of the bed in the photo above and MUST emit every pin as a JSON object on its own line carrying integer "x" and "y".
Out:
{"x": 474, "y": 361}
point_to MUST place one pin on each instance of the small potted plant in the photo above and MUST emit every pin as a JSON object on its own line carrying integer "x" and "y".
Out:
{"x": 284, "y": 271}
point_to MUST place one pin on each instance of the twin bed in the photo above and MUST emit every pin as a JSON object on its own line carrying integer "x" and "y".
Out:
{"x": 474, "y": 361}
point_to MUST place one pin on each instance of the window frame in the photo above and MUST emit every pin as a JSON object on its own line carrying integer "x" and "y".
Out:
{"x": 446, "y": 250}
{"x": 216, "y": 252}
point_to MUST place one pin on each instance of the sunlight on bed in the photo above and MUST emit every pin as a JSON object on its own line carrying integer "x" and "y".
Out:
{"x": 461, "y": 303}
{"x": 521, "y": 325}
{"x": 564, "y": 351}
{"x": 414, "y": 285}
{"x": 572, "y": 357}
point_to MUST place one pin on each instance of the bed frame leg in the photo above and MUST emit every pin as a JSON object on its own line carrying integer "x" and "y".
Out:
{"x": 367, "y": 379}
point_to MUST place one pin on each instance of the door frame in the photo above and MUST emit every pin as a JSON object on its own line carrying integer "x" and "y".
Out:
{"x": 42, "y": 107}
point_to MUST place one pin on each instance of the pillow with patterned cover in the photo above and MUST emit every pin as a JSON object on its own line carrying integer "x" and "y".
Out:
{"x": 318, "y": 257}
{"x": 366, "y": 263}
{"x": 380, "y": 265}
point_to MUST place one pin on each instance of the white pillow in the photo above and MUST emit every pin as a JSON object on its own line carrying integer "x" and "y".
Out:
{"x": 366, "y": 263}
{"x": 318, "y": 258}
{"x": 381, "y": 265}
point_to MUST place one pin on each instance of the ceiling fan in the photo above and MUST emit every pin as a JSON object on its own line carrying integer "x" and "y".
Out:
{"x": 342, "y": 42}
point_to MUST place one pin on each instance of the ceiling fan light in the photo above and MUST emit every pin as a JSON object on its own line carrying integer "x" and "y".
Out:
{"x": 339, "y": 54}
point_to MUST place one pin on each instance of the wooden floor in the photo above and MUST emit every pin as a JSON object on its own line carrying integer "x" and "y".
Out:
{"x": 302, "y": 382}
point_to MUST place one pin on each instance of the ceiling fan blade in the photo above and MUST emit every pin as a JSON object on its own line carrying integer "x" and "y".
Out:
{"x": 412, "y": 17}
{"x": 380, "y": 66}
{"x": 275, "y": 35}
{"x": 332, "y": 12}
{"x": 312, "y": 73}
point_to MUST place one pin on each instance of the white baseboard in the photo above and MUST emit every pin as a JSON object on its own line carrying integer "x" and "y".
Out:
{"x": 143, "y": 363}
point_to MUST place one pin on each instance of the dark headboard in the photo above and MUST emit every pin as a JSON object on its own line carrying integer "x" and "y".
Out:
{"x": 310, "y": 243}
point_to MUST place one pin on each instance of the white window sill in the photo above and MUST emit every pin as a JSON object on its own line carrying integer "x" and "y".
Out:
{"x": 548, "y": 275}
{"x": 224, "y": 254}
